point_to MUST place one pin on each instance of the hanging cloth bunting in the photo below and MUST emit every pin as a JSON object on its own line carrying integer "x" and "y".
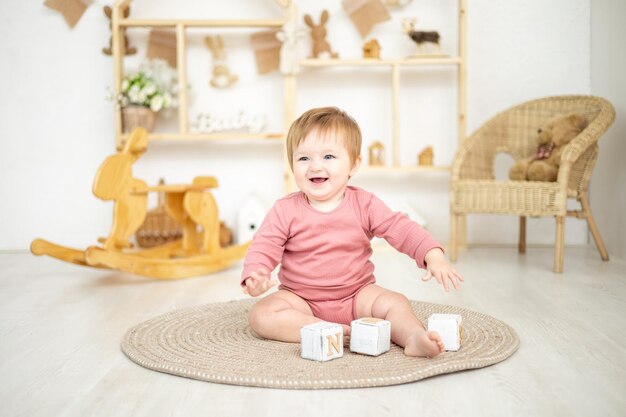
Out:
{"x": 365, "y": 14}
{"x": 72, "y": 10}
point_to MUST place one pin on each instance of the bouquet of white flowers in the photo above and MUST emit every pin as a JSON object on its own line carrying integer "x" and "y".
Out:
{"x": 153, "y": 85}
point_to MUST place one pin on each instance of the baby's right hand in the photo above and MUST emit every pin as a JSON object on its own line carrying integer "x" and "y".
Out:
{"x": 258, "y": 282}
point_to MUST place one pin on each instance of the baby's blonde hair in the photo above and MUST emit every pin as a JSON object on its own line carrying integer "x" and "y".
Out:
{"x": 326, "y": 121}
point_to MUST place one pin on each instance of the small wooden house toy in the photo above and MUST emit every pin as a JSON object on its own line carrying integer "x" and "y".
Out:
{"x": 449, "y": 327}
{"x": 376, "y": 154}
{"x": 425, "y": 158}
{"x": 371, "y": 49}
{"x": 370, "y": 336}
{"x": 322, "y": 341}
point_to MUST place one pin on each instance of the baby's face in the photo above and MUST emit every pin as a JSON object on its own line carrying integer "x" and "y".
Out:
{"x": 322, "y": 168}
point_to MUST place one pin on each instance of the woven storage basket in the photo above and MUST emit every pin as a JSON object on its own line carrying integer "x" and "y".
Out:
{"x": 159, "y": 227}
{"x": 138, "y": 116}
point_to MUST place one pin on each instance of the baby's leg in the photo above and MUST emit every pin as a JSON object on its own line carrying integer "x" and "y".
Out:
{"x": 280, "y": 316}
{"x": 406, "y": 329}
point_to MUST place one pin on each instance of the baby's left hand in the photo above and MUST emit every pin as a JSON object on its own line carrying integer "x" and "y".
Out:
{"x": 437, "y": 266}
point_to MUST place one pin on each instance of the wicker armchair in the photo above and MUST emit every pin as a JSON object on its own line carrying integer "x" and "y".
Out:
{"x": 474, "y": 189}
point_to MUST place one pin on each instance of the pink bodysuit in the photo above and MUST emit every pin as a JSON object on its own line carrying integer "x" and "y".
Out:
{"x": 325, "y": 256}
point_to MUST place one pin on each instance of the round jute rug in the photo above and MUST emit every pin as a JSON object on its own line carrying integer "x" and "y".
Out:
{"x": 214, "y": 343}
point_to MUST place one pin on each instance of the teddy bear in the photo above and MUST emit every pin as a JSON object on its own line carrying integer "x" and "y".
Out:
{"x": 551, "y": 140}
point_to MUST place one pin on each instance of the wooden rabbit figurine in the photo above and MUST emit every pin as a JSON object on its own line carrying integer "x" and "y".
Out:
{"x": 128, "y": 50}
{"x": 321, "y": 47}
{"x": 222, "y": 77}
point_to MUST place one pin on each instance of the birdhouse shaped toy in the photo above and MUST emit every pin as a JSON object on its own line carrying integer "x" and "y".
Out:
{"x": 250, "y": 217}
{"x": 376, "y": 154}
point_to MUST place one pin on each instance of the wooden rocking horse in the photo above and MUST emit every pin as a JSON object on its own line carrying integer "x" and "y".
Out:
{"x": 198, "y": 252}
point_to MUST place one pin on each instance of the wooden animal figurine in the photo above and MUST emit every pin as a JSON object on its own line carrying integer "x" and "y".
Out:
{"x": 128, "y": 50}
{"x": 421, "y": 38}
{"x": 289, "y": 36}
{"x": 371, "y": 49}
{"x": 321, "y": 47}
{"x": 222, "y": 77}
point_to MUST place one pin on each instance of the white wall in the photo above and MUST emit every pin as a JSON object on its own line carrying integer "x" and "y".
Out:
{"x": 608, "y": 185}
{"x": 58, "y": 126}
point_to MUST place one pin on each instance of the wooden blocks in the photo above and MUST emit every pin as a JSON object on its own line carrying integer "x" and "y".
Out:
{"x": 322, "y": 341}
{"x": 449, "y": 327}
{"x": 370, "y": 336}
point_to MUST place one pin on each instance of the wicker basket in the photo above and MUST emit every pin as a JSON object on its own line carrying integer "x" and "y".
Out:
{"x": 159, "y": 227}
{"x": 138, "y": 116}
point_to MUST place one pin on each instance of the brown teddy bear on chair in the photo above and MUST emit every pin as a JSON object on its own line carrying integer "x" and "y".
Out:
{"x": 551, "y": 140}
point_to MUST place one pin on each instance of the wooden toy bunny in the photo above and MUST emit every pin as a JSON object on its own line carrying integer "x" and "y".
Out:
{"x": 222, "y": 77}
{"x": 321, "y": 47}
{"x": 128, "y": 50}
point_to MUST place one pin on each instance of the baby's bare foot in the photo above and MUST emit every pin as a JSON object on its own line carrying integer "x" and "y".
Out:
{"x": 424, "y": 344}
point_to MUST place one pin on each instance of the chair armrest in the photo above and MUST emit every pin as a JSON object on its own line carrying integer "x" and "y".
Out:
{"x": 585, "y": 139}
{"x": 474, "y": 158}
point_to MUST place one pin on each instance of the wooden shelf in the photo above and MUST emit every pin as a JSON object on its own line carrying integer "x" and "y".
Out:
{"x": 210, "y": 136}
{"x": 365, "y": 62}
{"x": 403, "y": 169}
{"x": 395, "y": 67}
{"x": 234, "y": 23}
{"x": 181, "y": 26}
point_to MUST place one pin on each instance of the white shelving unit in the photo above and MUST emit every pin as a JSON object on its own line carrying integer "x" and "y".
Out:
{"x": 119, "y": 24}
{"x": 394, "y": 66}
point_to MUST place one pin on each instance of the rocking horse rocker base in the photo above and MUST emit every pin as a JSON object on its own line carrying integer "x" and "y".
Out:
{"x": 198, "y": 252}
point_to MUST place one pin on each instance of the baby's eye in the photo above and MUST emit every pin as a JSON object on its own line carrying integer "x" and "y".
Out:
{"x": 303, "y": 158}
{"x": 329, "y": 156}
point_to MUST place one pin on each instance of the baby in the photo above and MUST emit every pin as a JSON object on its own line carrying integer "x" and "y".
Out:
{"x": 321, "y": 237}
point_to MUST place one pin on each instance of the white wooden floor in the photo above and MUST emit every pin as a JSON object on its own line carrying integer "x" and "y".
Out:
{"x": 62, "y": 325}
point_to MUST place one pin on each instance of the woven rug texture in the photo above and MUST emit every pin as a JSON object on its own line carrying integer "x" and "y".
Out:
{"x": 214, "y": 343}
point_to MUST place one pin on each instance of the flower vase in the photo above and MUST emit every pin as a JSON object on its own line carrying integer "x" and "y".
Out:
{"x": 138, "y": 116}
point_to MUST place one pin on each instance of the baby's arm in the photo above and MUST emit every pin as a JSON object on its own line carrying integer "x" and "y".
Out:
{"x": 437, "y": 266}
{"x": 410, "y": 238}
{"x": 264, "y": 254}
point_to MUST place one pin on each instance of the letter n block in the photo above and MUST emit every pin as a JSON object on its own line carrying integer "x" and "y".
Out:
{"x": 321, "y": 341}
{"x": 370, "y": 336}
{"x": 449, "y": 327}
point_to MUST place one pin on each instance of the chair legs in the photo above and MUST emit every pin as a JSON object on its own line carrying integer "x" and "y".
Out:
{"x": 584, "y": 202}
{"x": 521, "y": 246}
{"x": 559, "y": 243}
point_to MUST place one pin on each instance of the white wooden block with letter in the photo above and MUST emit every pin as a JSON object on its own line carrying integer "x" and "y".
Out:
{"x": 322, "y": 341}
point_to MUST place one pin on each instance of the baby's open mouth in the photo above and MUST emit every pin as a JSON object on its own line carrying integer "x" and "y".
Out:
{"x": 318, "y": 180}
